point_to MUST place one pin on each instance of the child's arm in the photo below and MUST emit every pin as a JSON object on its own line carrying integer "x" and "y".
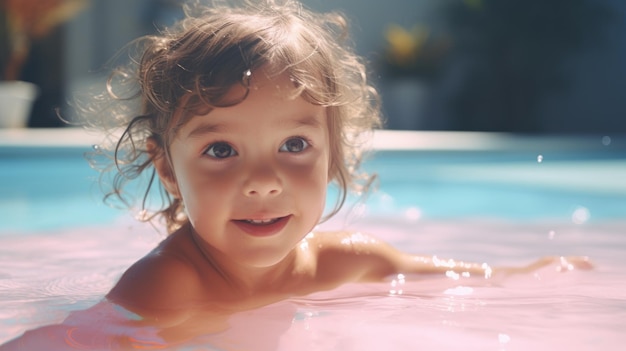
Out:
{"x": 360, "y": 257}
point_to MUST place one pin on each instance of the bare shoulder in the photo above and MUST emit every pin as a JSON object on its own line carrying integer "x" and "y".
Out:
{"x": 154, "y": 279}
{"x": 161, "y": 280}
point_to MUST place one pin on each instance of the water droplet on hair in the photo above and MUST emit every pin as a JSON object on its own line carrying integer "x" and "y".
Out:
{"x": 142, "y": 215}
{"x": 96, "y": 147}
{"x": 245, "y": 79}
{"x": 539, "y": 158}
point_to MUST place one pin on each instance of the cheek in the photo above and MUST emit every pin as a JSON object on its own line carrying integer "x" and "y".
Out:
{"x": 312, "y": 180}
{"x": 203, "y": 193}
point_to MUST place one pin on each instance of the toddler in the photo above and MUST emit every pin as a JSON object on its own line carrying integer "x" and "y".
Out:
{"x": 246, "y": 114}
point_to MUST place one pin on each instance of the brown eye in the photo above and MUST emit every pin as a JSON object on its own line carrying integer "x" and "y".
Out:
{"x": 294, "y": 145}
{"x": 221, "y": 150}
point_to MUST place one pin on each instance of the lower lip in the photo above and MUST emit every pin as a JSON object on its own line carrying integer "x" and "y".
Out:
{"x": 263, "y": 229}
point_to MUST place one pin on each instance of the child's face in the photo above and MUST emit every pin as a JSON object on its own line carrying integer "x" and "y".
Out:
{"x": 253, "y": 176}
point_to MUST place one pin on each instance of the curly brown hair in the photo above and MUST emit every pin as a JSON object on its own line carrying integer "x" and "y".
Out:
{"x": 192, "y": 65}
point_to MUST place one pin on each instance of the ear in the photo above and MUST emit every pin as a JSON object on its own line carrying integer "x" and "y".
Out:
{"x": 163, "y": 167}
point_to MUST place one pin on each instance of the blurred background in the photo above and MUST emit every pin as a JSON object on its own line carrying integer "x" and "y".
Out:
{"x": 523, "y": 66}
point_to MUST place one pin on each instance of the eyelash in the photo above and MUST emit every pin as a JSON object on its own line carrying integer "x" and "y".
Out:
{"x": 210, "y": 150}
{"x": 307, "y": 144}
{"x": 211, "y": 147}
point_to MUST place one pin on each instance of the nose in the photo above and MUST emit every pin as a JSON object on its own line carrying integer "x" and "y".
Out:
{"x": 262, "y": 180}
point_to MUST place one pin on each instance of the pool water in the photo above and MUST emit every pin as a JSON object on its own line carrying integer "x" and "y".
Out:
{"x": 61, "y": 250}
{"x": 578, "y": 310}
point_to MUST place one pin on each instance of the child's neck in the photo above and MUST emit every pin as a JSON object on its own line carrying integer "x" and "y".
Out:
{"x": 244, "y": 280}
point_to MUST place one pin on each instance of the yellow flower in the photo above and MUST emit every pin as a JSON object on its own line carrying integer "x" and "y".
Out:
{"x": 404, "y": 45}
{"x": 474, "y": 4}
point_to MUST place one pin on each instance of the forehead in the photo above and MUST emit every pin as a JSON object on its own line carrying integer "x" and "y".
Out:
{"x": 266, "y": 89}
{"x": 276, "y": 85}
{"x": 269, "y": 100}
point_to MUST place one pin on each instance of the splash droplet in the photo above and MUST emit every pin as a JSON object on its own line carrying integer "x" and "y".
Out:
{"x": 580, "y": 215}
{"x": 413, "y": 214}
{"x": 503, "y": 338}
{"x": 539, "y": 158}
{"x": 551, "y": 234}
{"x": 606, "y": 140}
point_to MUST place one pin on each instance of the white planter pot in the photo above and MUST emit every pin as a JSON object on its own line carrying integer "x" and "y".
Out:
{"x": 16, "y": 101}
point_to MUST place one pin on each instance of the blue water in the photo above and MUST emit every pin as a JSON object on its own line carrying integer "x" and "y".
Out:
{"x": 52, "y": 188}
{"x": 507, "y": 185}
{"x": 49, "y": 188}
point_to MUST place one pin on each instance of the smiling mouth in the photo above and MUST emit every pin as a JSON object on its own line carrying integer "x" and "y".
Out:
{"x": 261, "y": 221}
{"x": 262, "y": 227}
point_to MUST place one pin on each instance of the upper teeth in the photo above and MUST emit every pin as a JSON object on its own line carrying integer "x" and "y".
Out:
{"x": 261, "y": 221}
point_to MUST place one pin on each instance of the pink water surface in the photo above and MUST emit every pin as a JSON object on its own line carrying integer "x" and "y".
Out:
{"x": 46, "y": 276}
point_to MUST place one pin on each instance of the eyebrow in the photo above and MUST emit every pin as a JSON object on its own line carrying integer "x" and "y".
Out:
{"x": 307, "y": 121}
{"x": 206, "y": 128}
